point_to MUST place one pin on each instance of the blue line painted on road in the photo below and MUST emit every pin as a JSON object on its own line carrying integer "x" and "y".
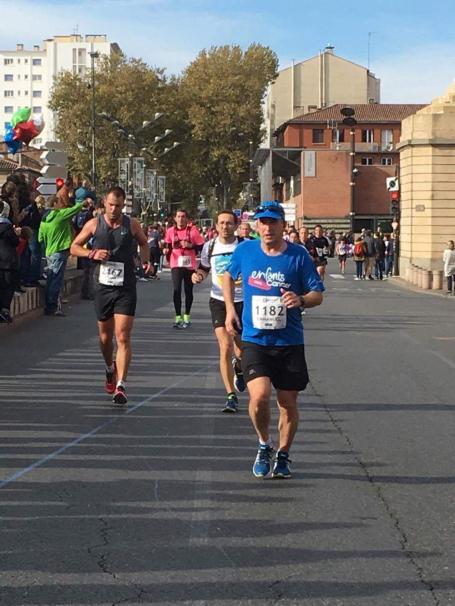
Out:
{"x": 52, "y": 455}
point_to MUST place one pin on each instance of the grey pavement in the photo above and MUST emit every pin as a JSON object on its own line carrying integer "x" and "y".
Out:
{"x": 157, "y": 504}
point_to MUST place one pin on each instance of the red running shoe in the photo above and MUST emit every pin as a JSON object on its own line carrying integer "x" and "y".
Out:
{"x": 111, "y": 380}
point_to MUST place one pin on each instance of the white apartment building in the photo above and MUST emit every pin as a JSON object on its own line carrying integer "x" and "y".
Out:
{"x": 27, "y": 75}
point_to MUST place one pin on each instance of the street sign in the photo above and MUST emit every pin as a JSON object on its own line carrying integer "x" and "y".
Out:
{"x": 47, "y": 189}
{"x": 54, "y": 146}
{"x": 54, "y": 157}
{"x": 54, "y": 172}
{"x": 289, "y": 212}
{"x": 138, "y": 176}
{"x": 55, "y": 167}
{"x": 161, "y": 183}
{"x": 123, "y": 173}
{"x": 392, "y": 184}
{"x": 237, "y": 212}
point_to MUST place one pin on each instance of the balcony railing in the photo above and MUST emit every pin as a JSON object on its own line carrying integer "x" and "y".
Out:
{"x": 364, "y": 147}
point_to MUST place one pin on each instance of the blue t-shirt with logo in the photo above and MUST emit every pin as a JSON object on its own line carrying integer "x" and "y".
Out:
{"x": 265, "y": 320}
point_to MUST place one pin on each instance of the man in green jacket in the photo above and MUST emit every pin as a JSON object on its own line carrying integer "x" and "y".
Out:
{"x": 56, "y": 234}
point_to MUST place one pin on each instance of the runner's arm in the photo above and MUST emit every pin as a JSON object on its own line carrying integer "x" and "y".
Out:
{"x": 233, "y": 323}
{"x": 204, "y": 266}
{"x": 141, "y": 239}
{"x": 77, "y": 247}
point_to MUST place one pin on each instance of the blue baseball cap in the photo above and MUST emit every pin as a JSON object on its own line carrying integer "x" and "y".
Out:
{"x": 270, "y": 210}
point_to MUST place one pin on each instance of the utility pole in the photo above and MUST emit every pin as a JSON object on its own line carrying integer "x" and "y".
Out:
{"x": 93, "y": 55}
{"x": 349, "y": 120}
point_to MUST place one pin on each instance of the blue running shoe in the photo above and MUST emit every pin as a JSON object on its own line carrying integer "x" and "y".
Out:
{"x": 262, "y": 463}
{"x": 232, "y": 403}
{"x": 282, "y": 465}
{"x": 239, "y": 381}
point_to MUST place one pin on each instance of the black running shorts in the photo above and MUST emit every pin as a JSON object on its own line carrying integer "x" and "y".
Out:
{"x": 110, "y": 300}
{"x": 218, "y": 311}
{"x": 285, "y": 366}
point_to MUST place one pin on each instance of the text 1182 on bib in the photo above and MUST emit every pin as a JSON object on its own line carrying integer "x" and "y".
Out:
{"x": 269, "y": 313}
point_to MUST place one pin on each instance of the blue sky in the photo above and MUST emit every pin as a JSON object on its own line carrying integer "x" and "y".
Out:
{"x": 412, "y": 50}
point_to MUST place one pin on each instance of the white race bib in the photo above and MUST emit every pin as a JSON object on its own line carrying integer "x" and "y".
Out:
{"x": 112, "y": 273}
{"x": 269, "y": 313}
{"x": 184, "y": 261}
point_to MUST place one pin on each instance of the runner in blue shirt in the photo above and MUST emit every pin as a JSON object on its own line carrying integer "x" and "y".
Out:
{"x": 279, "y": 278}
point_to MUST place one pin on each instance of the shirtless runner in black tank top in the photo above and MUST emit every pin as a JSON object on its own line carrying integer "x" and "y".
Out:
{"x": 113, "y": 236}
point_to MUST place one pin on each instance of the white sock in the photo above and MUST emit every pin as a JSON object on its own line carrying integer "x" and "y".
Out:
{"x": 121, "y": 383}
{"x": 268, "y": 443}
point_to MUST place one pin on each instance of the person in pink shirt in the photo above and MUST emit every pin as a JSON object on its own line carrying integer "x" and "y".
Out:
{"x": 181, "y": 244}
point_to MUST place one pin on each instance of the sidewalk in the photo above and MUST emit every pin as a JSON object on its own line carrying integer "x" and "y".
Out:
{"x": 31, "y": 302}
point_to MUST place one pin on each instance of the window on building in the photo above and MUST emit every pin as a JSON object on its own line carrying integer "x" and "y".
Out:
{"x": 297, "y": 185}
{"x": 25, "y": 92}
{"x": 18, "y": 93}
{"x": 36, "y": 61}
{"x": 36, "y": 109}
{"x": 386, "y": 161}
{"x": 8, "y": 109}
{"x": 6, "y": 125}
{"x": 287, "y": 190}
{"x": 18, "y": 61}
{"x": 81, "y": 55}
{"x": 337, "y": 135}
{"x": 318, "y": 135}
{"x": 81, "y": 69}
{"x": 37, "y": 77}
{"x": 312, "y": 108}
{"x": 26, "y": 77}
{"x": 37, "y": 93}
{"x": 37, "y": 141}
{"x": 8, "y": 93}
{"x": 25, "y": 61}
{"x": 367, "y": 135}
{"x": 8, "y": 77}
{"x": 386, "y": 138}
{"x": 7, "y": 61}
{"x": 367, "y": 161}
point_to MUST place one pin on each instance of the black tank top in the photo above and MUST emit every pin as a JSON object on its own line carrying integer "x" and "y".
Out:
{"x": 121, "y": 244}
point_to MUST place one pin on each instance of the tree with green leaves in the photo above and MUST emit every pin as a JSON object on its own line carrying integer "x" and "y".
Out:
{"x": 223, "y": 89}
{"x": 126, "y": 89}
{"x": 214, "y": 111}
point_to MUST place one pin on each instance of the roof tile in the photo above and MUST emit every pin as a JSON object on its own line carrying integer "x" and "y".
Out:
{"x": 366, "y": 112}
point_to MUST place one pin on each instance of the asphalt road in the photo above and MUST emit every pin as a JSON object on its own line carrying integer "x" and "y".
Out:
{"x": 157, "y": 505}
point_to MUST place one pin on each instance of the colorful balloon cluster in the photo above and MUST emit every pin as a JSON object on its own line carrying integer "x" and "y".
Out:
{"x": 21, "y": 129}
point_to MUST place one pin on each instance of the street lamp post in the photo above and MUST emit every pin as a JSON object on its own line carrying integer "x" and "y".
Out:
{"x": 93, "y": 55}
{"x": 396, "y": 246}
{"x": 133, "y": 143}
{"x": 349, "y": 120}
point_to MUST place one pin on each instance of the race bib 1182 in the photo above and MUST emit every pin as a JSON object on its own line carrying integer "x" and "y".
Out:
{"x": 269, "y": 313}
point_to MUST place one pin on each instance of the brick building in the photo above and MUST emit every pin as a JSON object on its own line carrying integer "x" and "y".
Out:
{"x": 310, "y": 164}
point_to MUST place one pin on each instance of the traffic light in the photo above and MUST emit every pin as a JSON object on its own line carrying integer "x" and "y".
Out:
{"x": 394, "y": 207}
{"x": 59, "y": 183}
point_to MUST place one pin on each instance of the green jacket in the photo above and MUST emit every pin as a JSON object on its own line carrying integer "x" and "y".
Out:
{"x": 55, "y": 229}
